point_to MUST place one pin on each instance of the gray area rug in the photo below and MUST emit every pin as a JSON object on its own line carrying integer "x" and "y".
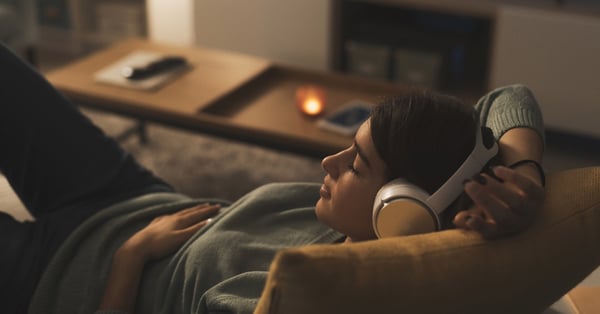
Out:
{"x": 206, "y": 166}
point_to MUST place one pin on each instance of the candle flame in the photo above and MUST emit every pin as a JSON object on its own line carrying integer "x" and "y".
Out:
{"x": 310, "y": 100}
{"x": 312, "y": 106}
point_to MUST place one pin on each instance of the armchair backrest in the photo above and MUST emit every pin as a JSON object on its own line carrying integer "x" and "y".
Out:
{"x": 451, "y": 271}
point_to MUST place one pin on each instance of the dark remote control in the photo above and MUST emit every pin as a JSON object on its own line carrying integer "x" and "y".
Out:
{"x": 153, "y": 68}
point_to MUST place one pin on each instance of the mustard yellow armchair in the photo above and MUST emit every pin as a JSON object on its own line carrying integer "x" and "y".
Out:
{"x": 451, "y": 271}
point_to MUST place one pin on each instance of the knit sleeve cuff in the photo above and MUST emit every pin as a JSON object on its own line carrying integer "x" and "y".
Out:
{"x": 516, "y": 118}
{"x": 511, "y": 107}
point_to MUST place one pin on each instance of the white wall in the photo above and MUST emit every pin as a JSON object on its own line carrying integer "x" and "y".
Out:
{"x": 554, "y": 53}
{"x": 171, "y": 21}
{"x": 288, "y": 31}
{"x": 558, "y": 56}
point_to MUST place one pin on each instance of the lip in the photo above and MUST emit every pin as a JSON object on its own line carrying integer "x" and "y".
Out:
{"x": 324, "y": 192}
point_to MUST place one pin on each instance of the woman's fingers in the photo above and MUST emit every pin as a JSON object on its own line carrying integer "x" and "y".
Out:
{"x": 189, "y": 231}
{"x": 167, "y": 233}
{"x": 193, "y": 215}
{"x": 478, "y": 223}
{"x": 530, "y": 188}
{"x": 505, "y": 193}
{"x": 484, "y": 198}
{"x": 502, "y": 205}
{"x": 522, "y": 195}
{"x": 197, "y": 208}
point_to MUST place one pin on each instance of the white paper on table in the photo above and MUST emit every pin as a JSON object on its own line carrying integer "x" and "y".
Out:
{"x": 112, "y": 73}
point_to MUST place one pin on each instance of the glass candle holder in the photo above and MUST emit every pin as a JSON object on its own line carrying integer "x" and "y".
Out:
{"x": 310, "y": 100}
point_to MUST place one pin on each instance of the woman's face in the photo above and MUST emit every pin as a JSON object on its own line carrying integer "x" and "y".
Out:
{"x": 353, "y": 178}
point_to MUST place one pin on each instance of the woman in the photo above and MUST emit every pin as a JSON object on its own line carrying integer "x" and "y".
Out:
{"x": 129, "y": 243}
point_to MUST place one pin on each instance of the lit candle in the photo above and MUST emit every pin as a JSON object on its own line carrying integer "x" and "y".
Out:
{"x": 310, "y": 100}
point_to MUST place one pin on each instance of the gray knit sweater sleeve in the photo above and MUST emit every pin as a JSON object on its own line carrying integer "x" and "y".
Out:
{"x": 510, "y": 107}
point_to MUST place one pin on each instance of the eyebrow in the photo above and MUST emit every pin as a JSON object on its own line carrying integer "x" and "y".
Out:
{"x": 361, "y": 154}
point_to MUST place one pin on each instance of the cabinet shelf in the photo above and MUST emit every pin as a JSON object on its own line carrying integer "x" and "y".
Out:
{"x": 77, "y": 26}
{"x": 547, "y": 45}
{"x": 443, "y": 51}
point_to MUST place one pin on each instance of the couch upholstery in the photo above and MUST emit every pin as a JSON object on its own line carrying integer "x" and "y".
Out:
{"x": 452, "y": 271}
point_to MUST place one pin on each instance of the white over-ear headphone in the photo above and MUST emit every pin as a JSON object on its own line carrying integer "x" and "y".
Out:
{"x": 402, "y": 208}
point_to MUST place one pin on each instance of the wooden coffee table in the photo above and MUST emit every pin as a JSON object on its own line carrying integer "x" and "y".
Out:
{"x": 226, "y": 94}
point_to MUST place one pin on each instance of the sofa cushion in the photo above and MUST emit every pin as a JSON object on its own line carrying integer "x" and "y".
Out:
{"x": 452, "y": 271}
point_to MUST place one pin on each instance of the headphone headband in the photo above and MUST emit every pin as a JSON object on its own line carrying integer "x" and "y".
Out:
{"x": 409, "y": 209}
{"x": 451, "y": 189}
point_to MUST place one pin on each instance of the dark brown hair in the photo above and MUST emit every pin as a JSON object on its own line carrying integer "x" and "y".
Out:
{"x": 423, "y": 137}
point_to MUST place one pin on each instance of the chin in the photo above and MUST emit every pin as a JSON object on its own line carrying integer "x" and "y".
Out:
{"x": 323, "y": 213}
{"x": 319, "y": 209}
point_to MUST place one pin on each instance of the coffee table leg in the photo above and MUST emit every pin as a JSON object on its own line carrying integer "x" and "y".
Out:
{"x": 139, "y": 129}
{"x": 142, "y": 133}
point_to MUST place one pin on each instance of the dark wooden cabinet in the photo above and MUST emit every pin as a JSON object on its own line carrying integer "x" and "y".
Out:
{"x": 444, "y": 51}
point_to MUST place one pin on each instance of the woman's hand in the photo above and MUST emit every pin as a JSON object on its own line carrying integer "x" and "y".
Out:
{"x": 165, "y": 234}
{"x": 161, "y": 237}
{"x": 501, "y": 207}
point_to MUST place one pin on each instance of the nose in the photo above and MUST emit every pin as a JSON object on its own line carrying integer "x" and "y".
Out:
{"x": 329, "y": 164}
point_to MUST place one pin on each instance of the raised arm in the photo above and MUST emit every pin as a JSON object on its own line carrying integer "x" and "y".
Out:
{"x": 507, "y": 204}
{"x": 514, "y": 116}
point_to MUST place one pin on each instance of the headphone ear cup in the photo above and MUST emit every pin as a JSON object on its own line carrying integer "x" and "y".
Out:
{"x": 403, "y": 217}
{"x": 400, "y": 209}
